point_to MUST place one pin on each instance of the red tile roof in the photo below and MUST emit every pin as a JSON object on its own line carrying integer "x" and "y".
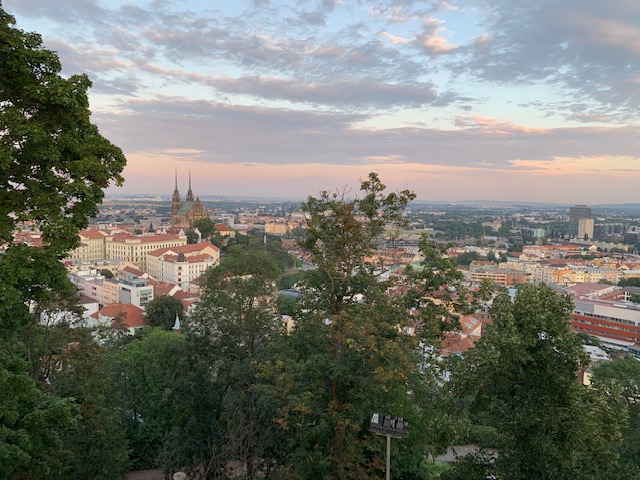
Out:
{"x": 133, "y": 271}
{"x": 132, "y": 316}
{"x": 189, "y": 248}
{"x": 455, "y": 342}
{"x": 182, "y": 295}
{"x": 93, "y": 234}
{"x": 162, "y": 288}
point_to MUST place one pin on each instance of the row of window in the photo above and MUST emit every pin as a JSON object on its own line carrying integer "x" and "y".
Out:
{"x": 604, "y": 317}
{"x": 604, "y": 326}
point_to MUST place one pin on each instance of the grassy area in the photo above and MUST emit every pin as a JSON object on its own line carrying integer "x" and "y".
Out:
{"x": 435, "y": 469}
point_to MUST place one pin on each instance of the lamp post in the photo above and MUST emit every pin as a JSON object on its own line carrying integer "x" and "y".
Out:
{"x": 389, "y": 426}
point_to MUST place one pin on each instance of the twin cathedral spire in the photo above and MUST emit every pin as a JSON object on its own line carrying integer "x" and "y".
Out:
{"x": 176, "y": 193}
{"x": 183, "y": 214}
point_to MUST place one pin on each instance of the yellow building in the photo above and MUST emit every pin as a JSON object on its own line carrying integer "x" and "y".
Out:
{"x": 92, "y": 246}
{"x": 136, "y": 248}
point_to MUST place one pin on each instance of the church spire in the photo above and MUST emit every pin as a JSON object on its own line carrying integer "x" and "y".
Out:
{"x": 176, "y": 194}
{"x": 175, "y": 201}
{"x": 189, "y": 192}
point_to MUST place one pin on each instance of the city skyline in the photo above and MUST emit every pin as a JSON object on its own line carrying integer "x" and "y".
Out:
{"x": 456, "y": 100}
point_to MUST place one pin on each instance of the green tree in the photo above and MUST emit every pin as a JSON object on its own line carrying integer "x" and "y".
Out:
{"x": 206, "y": 226}
{"x": 629, "y": 282}
{"x": 625, "y": 371}
{"x": 233, "y": 326}
{"x": 192, "y": 237}
{"x": 162, "y": 312}
{"x": 467, "y": 257}
{"x": 31, "y": 426}
{"x": 522, "y": 376}
{"x": 97, "y": 444}
{"x": 164, "y": 399}
{"x": 350, "y": 353}
{"x": 107, "y": 273}
{"x": 54, "y": 165}
{"x": 289, "y": 281}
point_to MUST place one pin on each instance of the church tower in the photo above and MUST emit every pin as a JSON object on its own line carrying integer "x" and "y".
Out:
{"x": 175, "y": 200}
{"x": 189, "y": 192}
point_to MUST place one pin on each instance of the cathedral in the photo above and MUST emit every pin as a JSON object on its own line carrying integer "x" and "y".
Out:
{"x": 183, "y": 214}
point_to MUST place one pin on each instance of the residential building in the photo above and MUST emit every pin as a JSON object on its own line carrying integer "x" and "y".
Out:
{"x": 498, "y": 276}
{"x": 91, "y": 248}
{"x": 182, "y": 265}
{"x": 102, "y": 290}
{"x": 135, "y": 291}
{"x": 277, "y": 228}
{"x": 575, "y": 214}
{"x": 225, "y": 230}
{"x": 585, "y": 228}
{"x": 136, "y": 248}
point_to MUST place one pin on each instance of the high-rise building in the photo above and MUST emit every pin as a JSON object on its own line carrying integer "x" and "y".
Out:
{"x": 575, "y": 214}
{"x": 585, "y": 228}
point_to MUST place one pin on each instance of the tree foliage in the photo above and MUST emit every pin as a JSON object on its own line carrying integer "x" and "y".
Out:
{"x": 162, "y": 393}
{"x": 233, "y": 329}
{"x": 350, "y": 353}
{"x": 162, "y": 311}
{"x": 206, "y": 226}
{"x": 629, "y": 282}
{"x": 54, "y": 164}
{"x": 522, "y": 376}
{"x": 97, "y": 444}
{"x": 625, "y": 371}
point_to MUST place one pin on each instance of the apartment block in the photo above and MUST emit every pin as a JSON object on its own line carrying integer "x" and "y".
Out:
{"x": 92, "y": 246}
{"x": 182, "y": 265}
{"x": 616, "y": 324}
{"x": 136, "y": 248}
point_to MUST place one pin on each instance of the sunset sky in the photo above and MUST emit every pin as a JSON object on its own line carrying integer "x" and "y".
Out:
{"x": 530, "y": 100}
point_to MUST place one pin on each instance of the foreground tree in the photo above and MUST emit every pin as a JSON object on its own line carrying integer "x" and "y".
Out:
{"x": 351, "y": 352}
{"x": 97, "y": 446}
{"x": 54, "y": 165}
{"x": 625, "y": 371}
{"x": 233, "y": 329}
{"x": 163, "y": 398}
{"x": 522, "y": 378}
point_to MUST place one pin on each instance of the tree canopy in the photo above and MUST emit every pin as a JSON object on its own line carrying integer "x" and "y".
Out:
{"x": 522, "y": 377}
{"x": 54, "y": 163}
{"x": 350, "y": 353}
{"x": 206, "y": 226}
{"x": 162, "y": 311}
{"x": 54, "y": 166}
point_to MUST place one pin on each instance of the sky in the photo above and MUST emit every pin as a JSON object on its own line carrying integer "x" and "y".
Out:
{"x": 456, "y": 100}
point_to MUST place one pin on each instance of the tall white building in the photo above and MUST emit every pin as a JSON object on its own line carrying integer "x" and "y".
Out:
{"x": 585, "y": 227}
